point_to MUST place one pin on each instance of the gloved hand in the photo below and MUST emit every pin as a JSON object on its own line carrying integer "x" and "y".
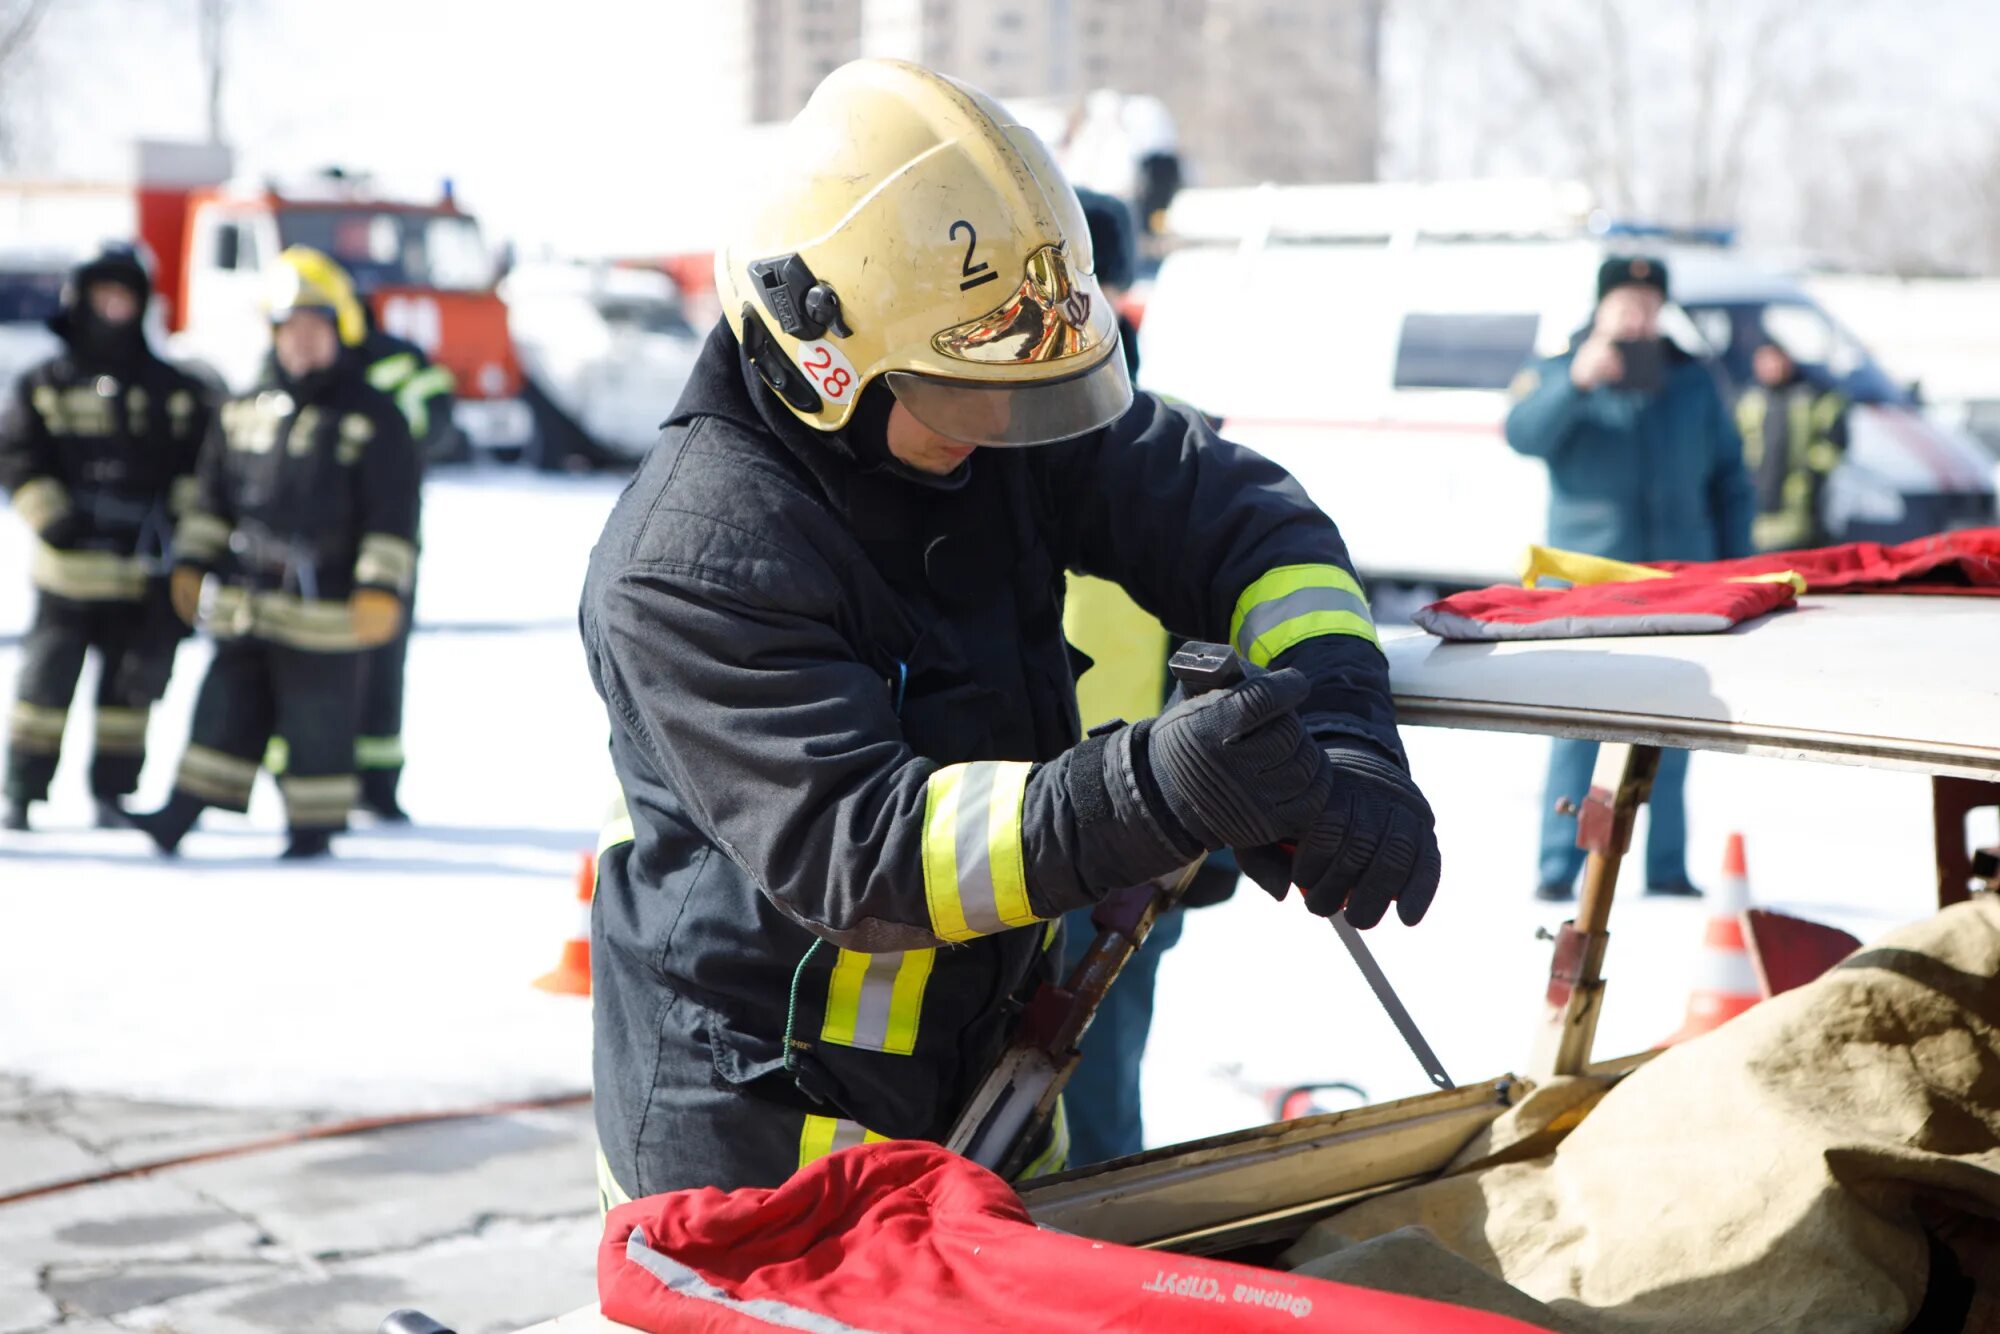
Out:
{"x": 1236, "y": 767}
{"x": 1374, "y": 842}
{"x": 64, "y": 531}
{"x": 376, "y": 613}
{"x": 184, "y": 591}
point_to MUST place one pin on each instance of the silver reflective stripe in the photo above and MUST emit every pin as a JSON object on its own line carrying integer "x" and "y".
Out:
{"x": 685, "y": 1282}
{"x": 1268, "y": 616}
{"x": 871, "y": 1007}
{"x": 847, "y": 1134}
{"x": 976, "y": 894}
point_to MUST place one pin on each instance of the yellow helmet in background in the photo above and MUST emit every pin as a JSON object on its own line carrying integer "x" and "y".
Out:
{"x": 910, "y": 229}
{"x": 306, "y": 279}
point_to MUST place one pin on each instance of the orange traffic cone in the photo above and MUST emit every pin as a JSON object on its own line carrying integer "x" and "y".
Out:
{"x": 1726, "y": 983}
{"x": 571, "y": 975}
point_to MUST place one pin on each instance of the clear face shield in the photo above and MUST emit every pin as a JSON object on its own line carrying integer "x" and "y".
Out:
{"x": 1054, "y": 316}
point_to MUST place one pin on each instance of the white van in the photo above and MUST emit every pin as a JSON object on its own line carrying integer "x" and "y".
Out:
{"x": 1365, "y": 337}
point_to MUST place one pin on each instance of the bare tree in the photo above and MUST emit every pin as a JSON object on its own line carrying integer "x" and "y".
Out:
{"x": 213, "y": 16}
{"x": 19, "y": 20}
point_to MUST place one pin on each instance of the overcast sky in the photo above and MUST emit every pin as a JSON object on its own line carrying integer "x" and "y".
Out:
{"x": 604, "y": 125}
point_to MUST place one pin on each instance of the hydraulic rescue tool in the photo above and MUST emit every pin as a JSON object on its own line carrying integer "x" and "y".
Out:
{"x": 1003, "y": 1125}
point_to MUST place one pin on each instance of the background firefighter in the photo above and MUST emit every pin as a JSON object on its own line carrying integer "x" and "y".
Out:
{"x": 423, "y": 392}
{"x": 825, "y": 619}
{"x": 1794, "y": 436}
{"x": 306, "y": 516}
{"x": 97, "y": 447}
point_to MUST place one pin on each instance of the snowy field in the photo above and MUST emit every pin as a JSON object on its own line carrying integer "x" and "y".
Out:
{"x": 397, "y": 977}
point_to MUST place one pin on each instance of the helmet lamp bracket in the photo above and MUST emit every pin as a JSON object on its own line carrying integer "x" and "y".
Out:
{"x": 803, "y": 306}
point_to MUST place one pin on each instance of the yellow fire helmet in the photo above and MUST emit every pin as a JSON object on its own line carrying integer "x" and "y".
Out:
{"x": 912, "y": 230}
{"x": 305, "y": 279}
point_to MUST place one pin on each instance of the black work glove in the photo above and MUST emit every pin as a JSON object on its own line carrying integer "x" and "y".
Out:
{"x": 1236, "y": 767}
{"x": 65, "y": 531}
{"x": 1375, "y": 842}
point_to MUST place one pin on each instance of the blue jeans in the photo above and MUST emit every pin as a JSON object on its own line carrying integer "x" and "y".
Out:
{"x": 1101, "y": 1100}
{"x": 1570, "y": 763}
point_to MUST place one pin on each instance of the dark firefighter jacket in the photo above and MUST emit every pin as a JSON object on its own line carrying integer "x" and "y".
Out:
{"x": 1636, "y": 477}
{"x": 99, "y": 465}
{"x": 305, "y": 493}
{"x": 843, "y": 716}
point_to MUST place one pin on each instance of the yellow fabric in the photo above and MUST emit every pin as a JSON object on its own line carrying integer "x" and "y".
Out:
{"x": 1578, "y": 568}
{"x": 1127, "y": 648}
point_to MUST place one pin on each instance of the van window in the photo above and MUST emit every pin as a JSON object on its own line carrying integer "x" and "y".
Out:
{"x": 1463, "y": 351}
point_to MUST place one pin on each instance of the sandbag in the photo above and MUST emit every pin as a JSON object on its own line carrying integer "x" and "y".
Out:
{"x": 1790, "y": 1171}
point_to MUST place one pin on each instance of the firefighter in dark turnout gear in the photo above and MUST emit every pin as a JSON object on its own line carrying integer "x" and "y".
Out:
{"x": 826, "y": 625}
{"x": 305, "y": 527}
{"x": 424, "y": 393}
{"x": 97, "y": 446}
{"x": 1794, "y": 436}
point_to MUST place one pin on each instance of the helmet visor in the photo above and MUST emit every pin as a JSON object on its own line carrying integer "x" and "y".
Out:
{"x": 1030, "y": 412}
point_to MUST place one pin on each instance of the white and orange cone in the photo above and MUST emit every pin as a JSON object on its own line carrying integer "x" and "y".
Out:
{"x": 1726, "y": 981}
{"x": 571, "y": 975}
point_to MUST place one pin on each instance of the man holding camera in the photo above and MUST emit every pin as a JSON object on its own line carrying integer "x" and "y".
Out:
{"x": 1644, "y": 465}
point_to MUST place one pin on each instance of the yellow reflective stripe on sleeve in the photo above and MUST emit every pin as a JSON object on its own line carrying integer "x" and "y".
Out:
{"x": 87, "y": 576}
{"x": 386, "y": 560}
{"x": 1294, "y": 603}
{"x": 975, "y": 882}
{"x": 874, "y": 1001}
{"x": 391, "y": 371}
{"x": 40, "y": 501}
{"x": 829, "y": 1134}
{"x": 200, "y": 536}
{"x": 618, "y": 831}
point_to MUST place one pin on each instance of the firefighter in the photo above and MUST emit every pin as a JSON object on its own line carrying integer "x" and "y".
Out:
{"x": 1644, "y": 464}
{"x": 306, "y": 521}
{"x": 825, "y": 620}
{"x": 1794, "y": 436}
{"x": 424, "y": 394}
{"x": 98, "y": 447}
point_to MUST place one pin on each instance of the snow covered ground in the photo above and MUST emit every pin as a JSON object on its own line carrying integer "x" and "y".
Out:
{"x": 397, "y": 977}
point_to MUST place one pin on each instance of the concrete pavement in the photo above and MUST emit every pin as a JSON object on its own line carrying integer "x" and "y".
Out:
{"x": 488, "y": 1224}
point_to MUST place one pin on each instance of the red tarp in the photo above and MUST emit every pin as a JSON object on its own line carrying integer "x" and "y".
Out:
{"x": 1701, "y": 599}
{"x": 905, "y": 1237}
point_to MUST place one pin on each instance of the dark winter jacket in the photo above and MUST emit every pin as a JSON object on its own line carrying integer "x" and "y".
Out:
{"x": 306, "y": 492}
{"x": 1637, "y": 477}
{"x": 844, "y": 719}
{"x": 100, "y": 460}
